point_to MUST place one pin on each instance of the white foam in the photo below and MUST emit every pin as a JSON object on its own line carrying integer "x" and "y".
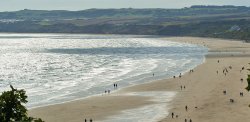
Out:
{"x": 87, "y": 65}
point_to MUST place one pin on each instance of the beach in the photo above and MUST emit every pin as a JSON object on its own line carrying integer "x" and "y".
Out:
{"x": 203, "y": 92}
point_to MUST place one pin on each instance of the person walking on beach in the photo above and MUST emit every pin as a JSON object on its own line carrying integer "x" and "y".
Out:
{"x": 172, "y": 115}
{"x": 190, "y": 120}
{"x": 91, "y": 120}
{"x": 85, "y": 120}
{"x": 181, "y": 87}
{"x": 224, "y": 92}
{"x": 186, "y": 107}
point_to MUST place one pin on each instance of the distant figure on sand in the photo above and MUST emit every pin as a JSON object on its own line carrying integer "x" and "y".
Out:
{"x": 180, "y": 75}
{"x": 224, "y": 92}
{"x": 172, "y": 115}
{"x": 232, "y": 100}
{"x": 181, "y": 87}
{"x": 241, "y": 94}
{"x": 218, "y": 61}
{"x": 153, "y": 74}
{"x": 185, "y": 120}
{"x": 186, "y": 107}
{"x": 91, "y": 120}
{"x": 85, "y": 120}
{"x": 190, "y": 120}
{"x": 242, "y": 69}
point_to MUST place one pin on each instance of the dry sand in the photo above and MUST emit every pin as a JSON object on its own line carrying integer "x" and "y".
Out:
{"x": 203, "y": 94}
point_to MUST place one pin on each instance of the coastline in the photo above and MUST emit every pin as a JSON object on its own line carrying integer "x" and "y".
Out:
{"x": 101, "y": 107}
{"x": 205, "y": 100}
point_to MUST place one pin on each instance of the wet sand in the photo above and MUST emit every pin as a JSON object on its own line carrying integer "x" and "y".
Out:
{"x": 203, "y": 93}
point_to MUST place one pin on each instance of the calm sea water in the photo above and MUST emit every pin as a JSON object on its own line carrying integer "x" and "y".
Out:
{"x": 55, "y": 68}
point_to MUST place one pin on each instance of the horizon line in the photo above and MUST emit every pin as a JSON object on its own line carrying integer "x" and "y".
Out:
{"x": 121, "y": 8}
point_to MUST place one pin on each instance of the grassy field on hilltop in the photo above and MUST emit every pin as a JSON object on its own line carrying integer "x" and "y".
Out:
{"x": 204, "y": 21}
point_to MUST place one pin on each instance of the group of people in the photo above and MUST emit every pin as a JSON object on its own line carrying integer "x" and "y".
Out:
{"x": 90, "y": 120}
{"x": 191, "y": 70}
{"x": 241, "y": 94}
{"x": 176, "y": 116}
{"x": 183, "y": 87}
{"x": 225, "y": 71}
{"x": 115, "y": 86}
{"x": 173, "y": 115}
{"x": 181, "y": 75}
{"x": 108, "y": 91}
{"x": 190, "y": 120}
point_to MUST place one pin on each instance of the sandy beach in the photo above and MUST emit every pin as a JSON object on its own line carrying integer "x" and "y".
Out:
{"x": 203, "y": 94}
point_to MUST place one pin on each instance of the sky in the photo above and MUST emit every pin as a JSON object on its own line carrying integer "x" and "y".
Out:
{"x": 13, "y": 5}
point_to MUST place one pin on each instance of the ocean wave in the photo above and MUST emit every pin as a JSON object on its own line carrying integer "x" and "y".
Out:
{"x": 57, "y": 68}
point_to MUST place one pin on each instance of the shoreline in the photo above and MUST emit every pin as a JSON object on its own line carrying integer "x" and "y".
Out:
{"x": 133, "y": 80}
{"x": 88, "y": 108}
{"x": 208, "y": 103}
{"x": 120, "y": 90}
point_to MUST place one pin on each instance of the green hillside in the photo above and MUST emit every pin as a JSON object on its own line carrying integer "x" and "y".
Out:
{"x": 205, "y": 21}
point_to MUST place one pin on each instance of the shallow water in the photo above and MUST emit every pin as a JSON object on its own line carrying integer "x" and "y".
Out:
{"x": 55, "y": 68}
{"x": 149, "y": 113}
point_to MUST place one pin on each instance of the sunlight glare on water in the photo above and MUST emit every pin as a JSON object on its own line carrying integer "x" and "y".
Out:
{"x": 55, "y": 68}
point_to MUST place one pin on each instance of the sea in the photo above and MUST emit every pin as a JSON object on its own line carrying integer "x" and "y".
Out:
{"x": 57, "y": 68}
